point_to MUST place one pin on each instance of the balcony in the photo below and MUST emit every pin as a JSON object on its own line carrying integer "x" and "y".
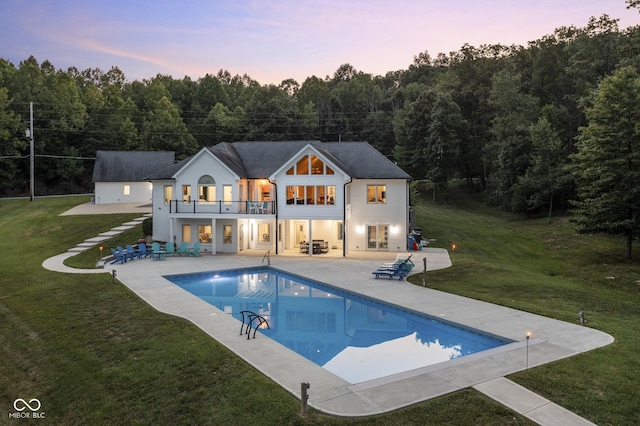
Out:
{"x": 223, "y": 207}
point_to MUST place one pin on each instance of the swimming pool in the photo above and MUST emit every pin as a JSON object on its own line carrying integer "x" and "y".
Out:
{"x": 354, "y": 337}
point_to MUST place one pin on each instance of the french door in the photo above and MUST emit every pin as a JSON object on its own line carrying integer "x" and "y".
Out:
{"x": 377, "y": 237}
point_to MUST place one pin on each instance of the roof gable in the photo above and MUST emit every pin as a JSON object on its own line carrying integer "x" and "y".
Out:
{"x": 306, "y": 150}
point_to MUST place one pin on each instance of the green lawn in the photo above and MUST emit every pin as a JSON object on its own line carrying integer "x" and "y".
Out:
{"x": 94, "y": 353}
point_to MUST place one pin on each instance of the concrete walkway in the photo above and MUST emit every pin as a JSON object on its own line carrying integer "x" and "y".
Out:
{"x": 56, "y": 263}
{"x": 551, "y": 340}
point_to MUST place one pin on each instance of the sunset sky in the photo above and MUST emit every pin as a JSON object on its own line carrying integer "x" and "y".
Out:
{"x": 272, "y": 40}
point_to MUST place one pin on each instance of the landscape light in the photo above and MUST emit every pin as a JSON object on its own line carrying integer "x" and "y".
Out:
{"x": 528, "y": 335}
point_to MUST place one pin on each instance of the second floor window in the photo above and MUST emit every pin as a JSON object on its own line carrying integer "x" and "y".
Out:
{"x": 206, "y": 189}
{"x": 311, "y": 194}
{"x": 227, "y": 194}
{"x": 186, "y": 193}
{"x": 377, "y": 194}
{"x": 168, "y": 193}
{"x": 310, "y": 164}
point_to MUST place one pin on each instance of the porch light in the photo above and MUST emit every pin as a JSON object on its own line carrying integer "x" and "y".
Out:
{"x": 394, "y": 229}
{"x": 360, "y": 229}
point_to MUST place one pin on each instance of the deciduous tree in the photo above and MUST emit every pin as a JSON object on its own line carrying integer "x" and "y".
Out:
{"x": 607, "y": 164}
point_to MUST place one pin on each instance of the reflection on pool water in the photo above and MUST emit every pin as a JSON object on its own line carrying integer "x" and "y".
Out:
{"x": 354, "y": 337}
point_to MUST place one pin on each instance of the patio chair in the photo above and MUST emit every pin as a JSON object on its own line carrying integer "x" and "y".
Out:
{"x": 170, "y": 248}
{"x": 156, "y": 252}
{"x": 121, "y": 251}
{"x": 131, "y": 252}
{"x": 117, "y": 257}
{"x": 142, "y": 251}
{"x": 195, "y": 250}
{"x": 182, "y": 249}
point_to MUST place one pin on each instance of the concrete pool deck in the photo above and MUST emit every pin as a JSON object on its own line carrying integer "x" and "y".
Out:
{"x": 550, "y": 340}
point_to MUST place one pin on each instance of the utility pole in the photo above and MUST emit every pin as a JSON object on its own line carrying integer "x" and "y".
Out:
{"x": 31, "y": 155}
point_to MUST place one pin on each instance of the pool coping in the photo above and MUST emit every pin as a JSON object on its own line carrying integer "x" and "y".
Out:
{"x": 551, "y": 339}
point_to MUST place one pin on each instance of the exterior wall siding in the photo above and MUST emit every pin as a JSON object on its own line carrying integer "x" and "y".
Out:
{"x": 113, "y": 192}
{"x": 161, "y": 221}
{"x": 363, "y": 214}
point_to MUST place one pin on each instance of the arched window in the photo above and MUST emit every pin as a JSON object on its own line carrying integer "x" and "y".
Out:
{"x": 206, "y": 189}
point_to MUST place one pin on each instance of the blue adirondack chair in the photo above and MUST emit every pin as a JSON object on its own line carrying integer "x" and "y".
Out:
{"x": 122, "y": 252}
{"x": 117, "y": 257}
{"x": 195, "y": 250}
{"x": 157, "y": 253}
{"x": 183, "y": 248}
{"x": 142, "y": 250}
{"x": 132, "y": 252}
{"x": 170, "y": 248}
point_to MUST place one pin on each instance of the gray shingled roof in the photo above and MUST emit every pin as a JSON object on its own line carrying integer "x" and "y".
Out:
{"x": 256, "y": 160}
{"x": 129, "y": 166}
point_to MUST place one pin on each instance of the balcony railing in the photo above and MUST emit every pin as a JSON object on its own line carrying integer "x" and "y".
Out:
{"x": 222, "y": 207}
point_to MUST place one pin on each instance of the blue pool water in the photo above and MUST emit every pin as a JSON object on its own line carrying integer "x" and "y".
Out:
{"x": 354, "y": 337}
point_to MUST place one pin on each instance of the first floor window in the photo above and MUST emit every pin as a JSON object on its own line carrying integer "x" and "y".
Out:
{"x": 127, "y": 190}
{"x": 204, "y": 233}
{"x": 186, "y": 233}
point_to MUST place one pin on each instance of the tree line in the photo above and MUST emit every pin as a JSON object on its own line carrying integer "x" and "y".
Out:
{"x": 505, "y": 120}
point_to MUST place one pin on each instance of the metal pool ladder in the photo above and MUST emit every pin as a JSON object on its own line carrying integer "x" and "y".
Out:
{"x": 248, "y": 319}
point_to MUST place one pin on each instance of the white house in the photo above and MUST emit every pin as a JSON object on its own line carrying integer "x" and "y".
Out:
{"x": 119, "y": 176}
{"x": 304, "y": 196}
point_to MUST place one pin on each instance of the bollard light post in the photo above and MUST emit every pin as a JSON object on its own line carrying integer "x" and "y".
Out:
{"x": 528, "y": 336}
{"x": 424, "y": 276}
{"x": 304, "y": 397}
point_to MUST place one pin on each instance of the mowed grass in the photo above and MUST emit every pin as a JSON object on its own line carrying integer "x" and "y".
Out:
{"x": 94, "y": 353}
{"x": 548, "y": 269}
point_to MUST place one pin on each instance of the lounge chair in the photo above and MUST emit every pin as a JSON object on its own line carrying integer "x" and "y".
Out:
{"x": 169, "y": 248}
{"x": 132, "y": 252}
{"x": 157, "y": 253}
{"x": 398, "y": 270}
{"x": 195, "y": 250}
{"x": 408, "y": 263}
{"x": 117, "y": 257}
{"x": 142, "y": 251}
{"x": 182, "y": 249}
